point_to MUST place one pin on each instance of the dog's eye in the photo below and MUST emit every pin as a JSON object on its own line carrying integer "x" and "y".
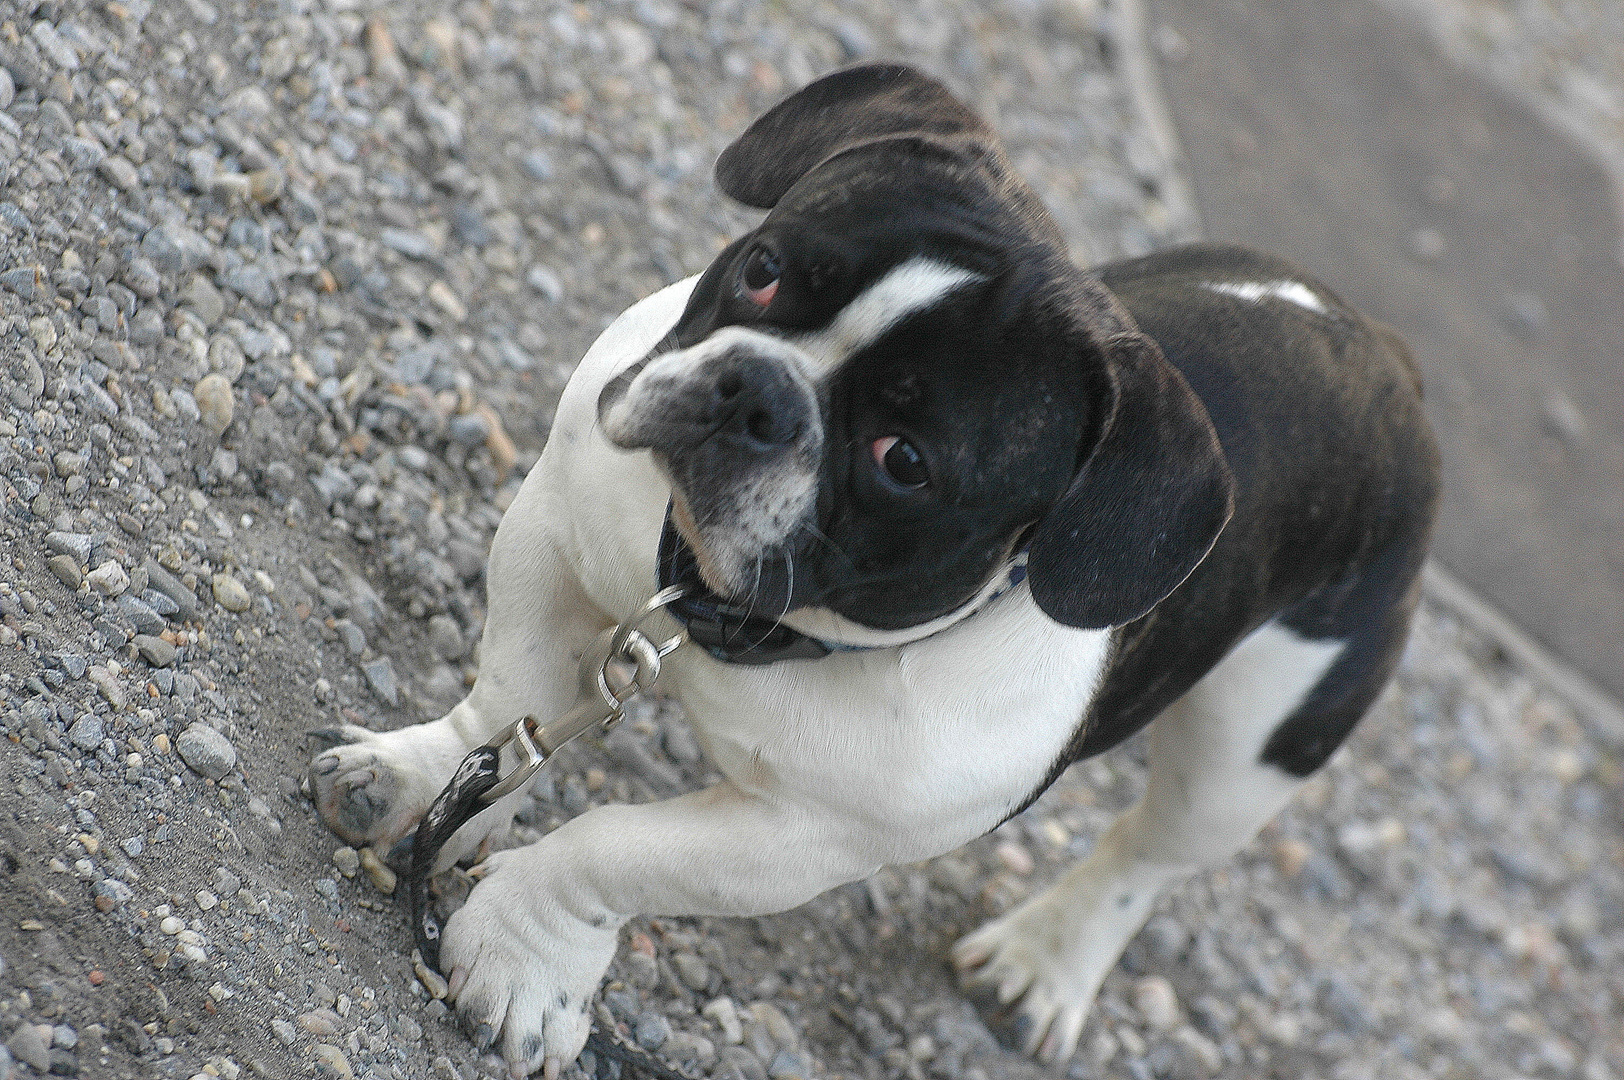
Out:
{"x": 900, "y": 462}
{"x": 758, "y": 281}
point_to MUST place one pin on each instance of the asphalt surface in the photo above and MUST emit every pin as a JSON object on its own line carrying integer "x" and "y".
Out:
{"x": 1337, "y": 135}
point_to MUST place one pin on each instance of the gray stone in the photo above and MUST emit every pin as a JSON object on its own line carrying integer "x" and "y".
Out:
{"x": 408, "y": 242}
{"x": 87, "y": 732}
{"x": 546, "y": 282}
{"x": 142, "y": 277}
{"x": 31, "y": 1047}
{"x": 693, "y": 971}
{"x": 738, "y": 1063}
{"x": 206, "y": 751}
{"x": 174, "y": 249}
{"x": 70, "y": 543}
{"x": 141, "y": 616}
{"x": 788, "y": 1065}
{"x": 203, "y": 300}
{"x": 380, "y": 675}
{"x": 72, "y": 663}
{"x": 252, "y": 282}
{"x": 66, "y": 569}
{"x": 332, "y": 483}
{"x": 469, "y": 430}
{"x": 155, "y": 650}
{"x": 25, "y": 281}
{"x": 445, "y": 638}
{"x": 147, "y": 327}
{"x": 120, "y": 172}
{"x": 230, "y": 593}
{"x": 116, "y": 891}
{"x": 354, "y": 638}
{"x": 651, "y": 1030}
{"x": 166, "y": 583}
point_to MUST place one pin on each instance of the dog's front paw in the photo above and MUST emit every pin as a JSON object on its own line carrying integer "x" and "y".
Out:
{"x": 1044, "y": 970}
{"x": 373, "y": 788}
{"x": 521, "y": 967}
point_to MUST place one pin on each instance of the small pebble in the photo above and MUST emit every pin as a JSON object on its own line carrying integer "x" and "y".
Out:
{"x": 1157, "y": 1002}
{"x": 66, "y": 569}
{"x": 230, "y": 593}
{"x": 215, "y": 403}
{"x": 382, "y": 877}
{"x": 206, "y": 751}
{"x": 155, "y": 650}
{"x": 348, "y": 861}
{"x": 109, "y": 579}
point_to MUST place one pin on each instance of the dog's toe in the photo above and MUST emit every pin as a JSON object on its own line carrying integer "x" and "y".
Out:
{"x": 327, "y": 738}
{"x": 1033, "y": 997}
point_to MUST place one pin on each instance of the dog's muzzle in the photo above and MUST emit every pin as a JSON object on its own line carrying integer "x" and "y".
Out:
{"x": 736, "y": 426}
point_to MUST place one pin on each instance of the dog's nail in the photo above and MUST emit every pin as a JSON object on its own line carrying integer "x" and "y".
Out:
{"x": 484, "y": 1036}
{"x": 325, "y": 766}
{"x": 400, "y": 856}
{"x": 454, "y": 985}
{"x": 331, "y": 737}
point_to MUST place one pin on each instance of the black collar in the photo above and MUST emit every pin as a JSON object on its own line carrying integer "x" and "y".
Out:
{"x": 728, "y": 632}
{"x": 734, "y": 635}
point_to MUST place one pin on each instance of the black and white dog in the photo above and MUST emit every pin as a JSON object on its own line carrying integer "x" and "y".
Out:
{"x": 957, "y": 515}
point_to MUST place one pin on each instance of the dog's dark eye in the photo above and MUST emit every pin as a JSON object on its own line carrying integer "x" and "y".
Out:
{"x": 901, "y": 462}
{"x": 758, "y": 281}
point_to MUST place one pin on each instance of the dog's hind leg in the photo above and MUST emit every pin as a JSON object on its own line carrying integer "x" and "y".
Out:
{"x": 374, "y": 788}
{"x": 1224, "y": 759}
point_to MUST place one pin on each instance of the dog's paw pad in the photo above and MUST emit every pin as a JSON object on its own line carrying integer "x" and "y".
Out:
{"x": 360, "y": 793}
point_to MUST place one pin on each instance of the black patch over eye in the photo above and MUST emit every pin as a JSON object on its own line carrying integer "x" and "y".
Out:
{"x": 758, "y": 279}
{"x": 900, "y": 462}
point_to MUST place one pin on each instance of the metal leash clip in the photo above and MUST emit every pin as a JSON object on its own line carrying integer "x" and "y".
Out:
{"x": 606, "y": 687}
{"x": 604, "y": 692}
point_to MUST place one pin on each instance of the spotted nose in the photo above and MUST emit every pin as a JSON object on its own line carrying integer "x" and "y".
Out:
{"x": 737, "y": 403}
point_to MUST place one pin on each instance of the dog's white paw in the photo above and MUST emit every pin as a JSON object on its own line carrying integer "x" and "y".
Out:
{"x": 373, "y": 788}
{"x": 1045, "y": 961}
{"x": 521, "y": 967}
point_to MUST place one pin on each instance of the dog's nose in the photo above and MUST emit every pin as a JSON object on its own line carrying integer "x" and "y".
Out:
{"x": 753, "y": 404}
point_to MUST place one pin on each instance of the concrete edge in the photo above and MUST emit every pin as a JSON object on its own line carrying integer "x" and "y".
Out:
{"x": 1604, "y": 716}
{"x": 1609, "y": 159}
{"x": 1140, "y": 73}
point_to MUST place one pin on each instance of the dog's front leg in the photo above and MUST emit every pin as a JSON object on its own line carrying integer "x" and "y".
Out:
{"x": 529, "y": 948}
{"x": 374, "y": 788}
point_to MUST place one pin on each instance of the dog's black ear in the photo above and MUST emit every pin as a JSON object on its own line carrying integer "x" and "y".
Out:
{"x": 1147, "y": 503}
{"x": 850, "y": 108}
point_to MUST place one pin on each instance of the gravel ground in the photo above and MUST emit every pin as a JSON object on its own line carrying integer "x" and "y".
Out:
{"x": 284, "y": 310}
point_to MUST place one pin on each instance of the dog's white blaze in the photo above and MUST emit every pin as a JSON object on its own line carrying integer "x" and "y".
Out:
{"x": 1255, "y": 292}
{"x": 907, "y": 288}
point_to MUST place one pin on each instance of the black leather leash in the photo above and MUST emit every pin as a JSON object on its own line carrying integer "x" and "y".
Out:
{"x": 478, "y": 782}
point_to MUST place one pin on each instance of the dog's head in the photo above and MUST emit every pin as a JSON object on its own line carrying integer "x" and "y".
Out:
{"x": 897, "y": 380}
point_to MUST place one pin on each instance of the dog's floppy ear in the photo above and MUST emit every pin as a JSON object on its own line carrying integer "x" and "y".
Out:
{"x": 1147, "y": 503}
{"x": 850, "y": 108}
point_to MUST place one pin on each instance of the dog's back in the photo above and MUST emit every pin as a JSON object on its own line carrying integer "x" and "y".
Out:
{"x": 1318, "y": 410}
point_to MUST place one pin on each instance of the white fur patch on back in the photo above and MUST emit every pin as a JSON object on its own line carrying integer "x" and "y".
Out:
{"x": 1255, "y": 292}
{"x": 907, "y": 288}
